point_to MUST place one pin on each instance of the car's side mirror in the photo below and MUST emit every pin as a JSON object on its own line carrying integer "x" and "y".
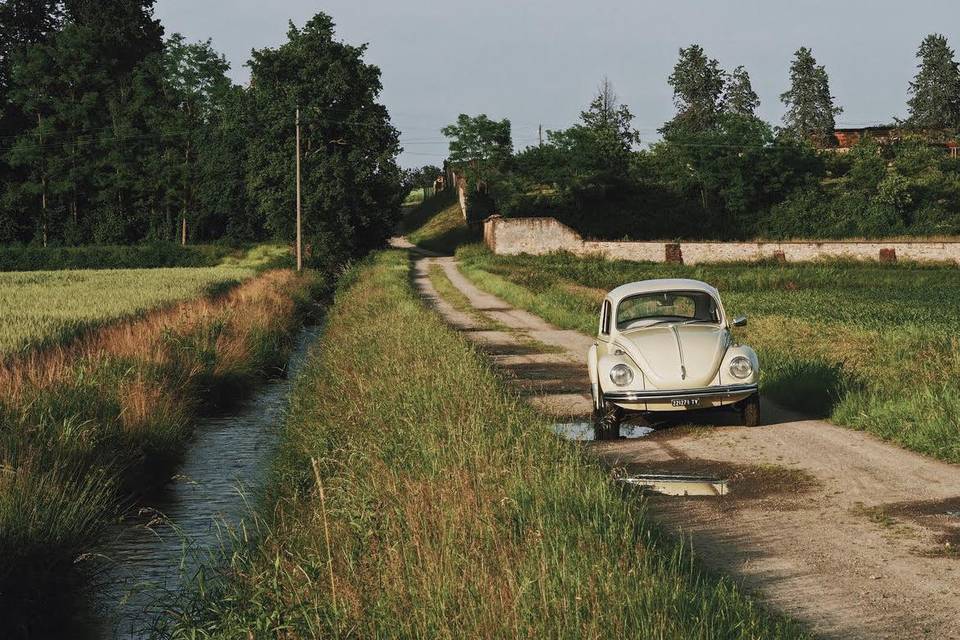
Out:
{"x": 740, "y": 322}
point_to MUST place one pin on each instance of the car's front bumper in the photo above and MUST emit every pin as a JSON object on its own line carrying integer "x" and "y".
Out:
{"x": 660, "y": 400}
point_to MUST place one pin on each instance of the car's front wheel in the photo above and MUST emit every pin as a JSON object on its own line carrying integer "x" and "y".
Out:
{"x": 606, "y": 421}
{"x": 750, "y": 411}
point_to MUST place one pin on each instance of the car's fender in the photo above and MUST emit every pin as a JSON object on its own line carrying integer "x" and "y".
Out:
{"x": 594, "y": 377}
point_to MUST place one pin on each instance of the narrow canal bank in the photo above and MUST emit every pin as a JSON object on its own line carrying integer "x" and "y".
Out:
{"x": 157, "y": 548}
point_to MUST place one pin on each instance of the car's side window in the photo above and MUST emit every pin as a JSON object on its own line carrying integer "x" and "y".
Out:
{"x": 605, "y": 318}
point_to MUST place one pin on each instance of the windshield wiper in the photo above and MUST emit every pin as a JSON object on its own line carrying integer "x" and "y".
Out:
{"x": 653, "y": 324}
{"x": 679, "y": 322}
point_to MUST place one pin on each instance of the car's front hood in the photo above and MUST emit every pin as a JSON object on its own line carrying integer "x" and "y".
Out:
{"x": 677, "y": 356}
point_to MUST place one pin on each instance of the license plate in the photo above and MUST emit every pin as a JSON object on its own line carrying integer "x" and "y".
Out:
{"x": 686, "y": 402}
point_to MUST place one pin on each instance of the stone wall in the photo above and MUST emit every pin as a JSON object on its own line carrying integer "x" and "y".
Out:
{"x": 537, "y": 236}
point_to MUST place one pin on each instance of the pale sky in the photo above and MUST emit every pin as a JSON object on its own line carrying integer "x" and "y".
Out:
{"x": 540, "y": 61}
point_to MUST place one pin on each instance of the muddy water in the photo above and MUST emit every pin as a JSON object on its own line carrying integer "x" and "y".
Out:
{"x": 161, "y": 543}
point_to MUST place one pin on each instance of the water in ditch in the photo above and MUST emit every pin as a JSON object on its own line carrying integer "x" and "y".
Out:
{"x": 151, "y": 553}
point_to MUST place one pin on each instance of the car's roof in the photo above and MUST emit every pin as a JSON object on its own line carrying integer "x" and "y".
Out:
{"x": 663, "y": 284}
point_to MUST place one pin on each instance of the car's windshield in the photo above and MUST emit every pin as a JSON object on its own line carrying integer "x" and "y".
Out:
{"x": 680, "y": 306}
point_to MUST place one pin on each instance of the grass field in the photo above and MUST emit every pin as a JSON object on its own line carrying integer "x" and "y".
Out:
{"x": 49, "y": 307}
{"x": 875, "y": 347}
{"x": 416, "y": 497}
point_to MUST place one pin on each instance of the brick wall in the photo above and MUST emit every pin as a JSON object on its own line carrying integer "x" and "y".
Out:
{"x": 537, "y": 236}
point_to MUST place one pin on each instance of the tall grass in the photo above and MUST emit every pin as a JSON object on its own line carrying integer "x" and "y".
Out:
{"x": 416, "y": 497}
{"x": 87, "y": 423}
{"x": 872, "y": 346}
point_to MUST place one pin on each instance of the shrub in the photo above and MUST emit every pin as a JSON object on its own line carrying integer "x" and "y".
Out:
{"x": 145, "y": 256}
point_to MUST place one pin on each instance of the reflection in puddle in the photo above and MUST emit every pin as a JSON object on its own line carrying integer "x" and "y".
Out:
{"x": 583, "y": 431}
{"x": 678, "y": 484}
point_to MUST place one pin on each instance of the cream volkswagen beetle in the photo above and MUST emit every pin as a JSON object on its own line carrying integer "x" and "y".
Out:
{"x": 666, "y": 345}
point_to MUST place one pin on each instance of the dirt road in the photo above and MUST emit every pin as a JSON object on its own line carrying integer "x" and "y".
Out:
{"x": 848, "y": 534}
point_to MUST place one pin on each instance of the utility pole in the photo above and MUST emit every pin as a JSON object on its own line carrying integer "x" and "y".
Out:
{"x": 299, "y": 216}
{"x": 540, "y": 134}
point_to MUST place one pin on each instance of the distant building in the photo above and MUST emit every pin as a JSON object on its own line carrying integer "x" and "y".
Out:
{"x": 844, "y": 139}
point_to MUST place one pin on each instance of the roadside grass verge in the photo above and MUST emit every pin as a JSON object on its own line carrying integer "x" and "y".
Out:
{"x": 874, "y": 347}
{"x": 414, "y": 496}
{"x": 86, "y": 424}
{"x": 438, "y": 225}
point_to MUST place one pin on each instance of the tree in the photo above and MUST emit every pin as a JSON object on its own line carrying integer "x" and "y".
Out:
{"x": 609, "y": 132}
{"x": 739, "y": 98}
{"x": 92, "y": 92}
{"x": 697, "y": 83}
{"x": 55, "y": 84}
{"x": 124, "y": 30}
{"x": 935, "y": 91}
{"x": 479, "y": 145}
{"x": 351, "y": 181}
{"x": 196, "y": 86}
{"x": 23, "y": 24}
{"x": 421, "y": 177}
{"x": 810, "y": 108}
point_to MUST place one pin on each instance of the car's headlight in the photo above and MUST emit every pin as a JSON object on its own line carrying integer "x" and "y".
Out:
{"x": 621, "y": 375}
{"x": 741, "y": 367}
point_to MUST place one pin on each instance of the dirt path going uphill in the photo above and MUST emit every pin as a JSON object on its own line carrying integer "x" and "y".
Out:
{"x": 844, "y": 532}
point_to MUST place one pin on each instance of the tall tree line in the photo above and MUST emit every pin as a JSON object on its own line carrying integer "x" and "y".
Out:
{"x": 112, "y": 133}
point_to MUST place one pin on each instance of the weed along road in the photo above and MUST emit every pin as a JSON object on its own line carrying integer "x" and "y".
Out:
{"x": 850, "y": 535}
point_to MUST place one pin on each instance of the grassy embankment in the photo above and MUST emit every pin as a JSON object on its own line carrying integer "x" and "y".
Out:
{"x": 874, "y": 347}
{"x": 416, "y": 497}
{"x": 85, "y": 422}
{"x": 438, "y": 225}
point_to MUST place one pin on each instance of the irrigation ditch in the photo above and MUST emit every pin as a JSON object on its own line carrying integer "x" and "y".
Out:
{"x": 153, "y": 551}
{"x": 178, "y": 414}
{"x": 158, "y": 546}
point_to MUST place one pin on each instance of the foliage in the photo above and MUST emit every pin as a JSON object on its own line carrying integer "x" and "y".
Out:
{"x": 739, "y": 98}
{"x": 119, "y": 136}
{"x": 351, "y": 182}
{"x": 479, "y": 146}
{"x": 146, "y": 256}
{"x": 421, "y": 177}
{"x": 471, "y": 520}
{"x": 885, "y": 360}
{"x": 722, "y": 173}
{"x": 732, "y": 170}
{"x": 698, "y": 83}
{"x": 935, "y": 91}
{"x": 810, "y": 107}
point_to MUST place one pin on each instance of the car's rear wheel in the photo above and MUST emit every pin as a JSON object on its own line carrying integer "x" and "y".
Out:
{"x": 750, "y": 411}
{"x": 606, "y": 421}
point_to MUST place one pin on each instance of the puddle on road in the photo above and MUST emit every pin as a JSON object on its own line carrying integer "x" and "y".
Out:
{"x": 678, "y": 484}
{"x": 670, "y": 484}
{"x": 583, "y": 431}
